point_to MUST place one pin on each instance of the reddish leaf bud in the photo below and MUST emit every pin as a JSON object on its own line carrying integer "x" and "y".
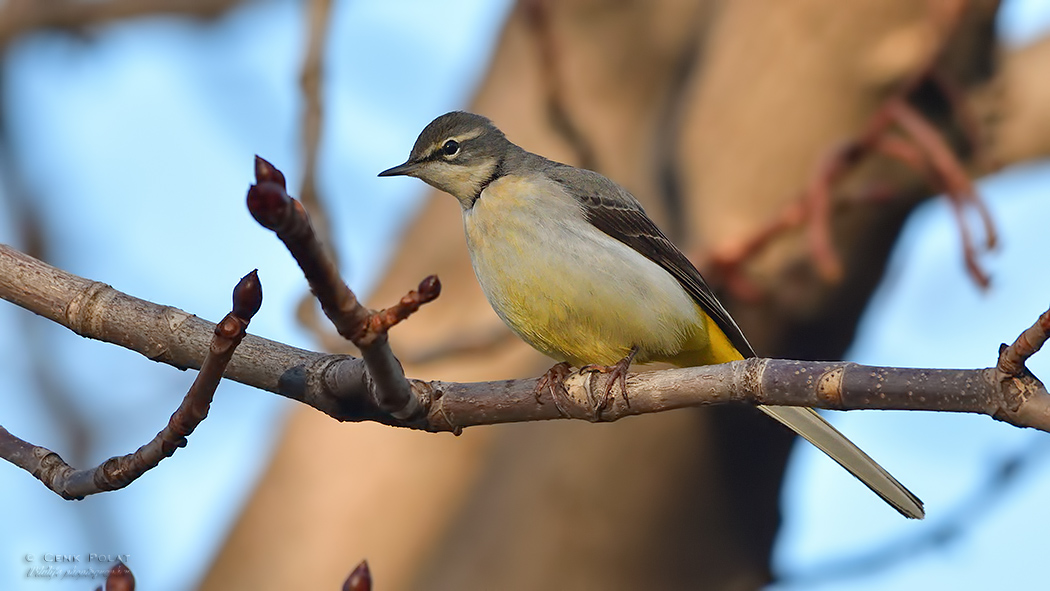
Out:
{"x": 269, "y": 204}
{"x": 247, "y": 296}
{"x": 268, "y": 173}
{"x": 429, "y": 289}
{"x": 120, "y": 578}
{"x": 360, "y": 579}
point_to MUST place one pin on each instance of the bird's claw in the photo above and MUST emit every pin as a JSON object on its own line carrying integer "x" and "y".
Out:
{"x": 554, "y": 382}
{"x": 617, "y": 373}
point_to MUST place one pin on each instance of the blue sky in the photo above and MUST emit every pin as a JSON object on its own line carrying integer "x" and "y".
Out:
{"x": 137, "y": 145}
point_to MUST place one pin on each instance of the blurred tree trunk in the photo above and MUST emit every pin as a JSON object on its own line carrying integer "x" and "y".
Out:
{"x": 714, "y": 115}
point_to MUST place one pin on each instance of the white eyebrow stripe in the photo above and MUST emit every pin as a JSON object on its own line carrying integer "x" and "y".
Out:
{"x": 467, "y": 136}
{"x": 434, "y": 149}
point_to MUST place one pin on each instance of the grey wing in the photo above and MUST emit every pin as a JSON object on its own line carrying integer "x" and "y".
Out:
{"x": 611, "y": 209}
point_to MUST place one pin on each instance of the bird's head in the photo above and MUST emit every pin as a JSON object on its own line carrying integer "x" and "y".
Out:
{"x": 459, "y": 153}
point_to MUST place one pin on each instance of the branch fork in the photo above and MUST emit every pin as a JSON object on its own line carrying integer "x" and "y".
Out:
{"x": 270, "y": 205}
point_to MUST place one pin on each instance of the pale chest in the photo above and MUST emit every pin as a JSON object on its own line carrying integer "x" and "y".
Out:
{"x": 565, "y": 287}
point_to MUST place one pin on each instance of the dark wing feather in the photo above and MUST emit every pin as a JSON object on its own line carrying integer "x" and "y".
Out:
{"x": 611, "y": 209}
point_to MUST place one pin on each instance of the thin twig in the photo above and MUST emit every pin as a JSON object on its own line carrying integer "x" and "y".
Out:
{"x": 272, "y": 207}
{"x": 118, "y": 472}
{"x": 956, "y": 182}
{"x": 1012, "y": 358}
{"x": 311, "y": 83}
{"x": 818, "y": 200}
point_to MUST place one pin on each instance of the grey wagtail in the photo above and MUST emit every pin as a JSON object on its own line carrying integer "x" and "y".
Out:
{"x": 569, "y": 260}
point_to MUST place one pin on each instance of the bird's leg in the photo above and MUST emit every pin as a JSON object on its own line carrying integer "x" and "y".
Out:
{"x": 554, "y": 381}
{"x": 617, "y": 373}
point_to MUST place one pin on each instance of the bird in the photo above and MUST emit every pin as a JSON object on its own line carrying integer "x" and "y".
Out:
{"x": 570, "y": 261}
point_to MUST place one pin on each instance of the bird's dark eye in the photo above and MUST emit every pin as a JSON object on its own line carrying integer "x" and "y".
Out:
{"x": 450, "y": 148}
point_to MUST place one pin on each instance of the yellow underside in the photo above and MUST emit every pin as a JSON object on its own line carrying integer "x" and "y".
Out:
{"x": 579, "y": 344}
{"x": 707, "y": 347}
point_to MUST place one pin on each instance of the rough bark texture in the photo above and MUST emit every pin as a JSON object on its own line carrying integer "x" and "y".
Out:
{"x": 714, "y": 115}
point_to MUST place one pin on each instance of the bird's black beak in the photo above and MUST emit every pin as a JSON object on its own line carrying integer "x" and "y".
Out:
{"x": 401, "y": 169}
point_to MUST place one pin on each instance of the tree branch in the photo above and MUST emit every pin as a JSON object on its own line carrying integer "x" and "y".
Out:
{"x": 339, "y": 385}
{"x": 829, "y": 385}
{"x": 1012, "y": 358}
{"x": 310, "y": 78}
{"x": 271, "y": 206}
{"x": 23, "y": 16}
{"x": 116, "y": 473}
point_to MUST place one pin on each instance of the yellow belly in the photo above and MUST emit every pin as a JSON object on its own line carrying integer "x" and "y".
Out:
{"x": 575, "y": 293}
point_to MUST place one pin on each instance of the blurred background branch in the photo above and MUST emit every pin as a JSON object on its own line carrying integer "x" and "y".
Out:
{"x": 19, "y": 17}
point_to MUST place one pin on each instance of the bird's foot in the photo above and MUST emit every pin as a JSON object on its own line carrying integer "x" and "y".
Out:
{"x": 554, "y": 382}
{"x": 617, "y": 374}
